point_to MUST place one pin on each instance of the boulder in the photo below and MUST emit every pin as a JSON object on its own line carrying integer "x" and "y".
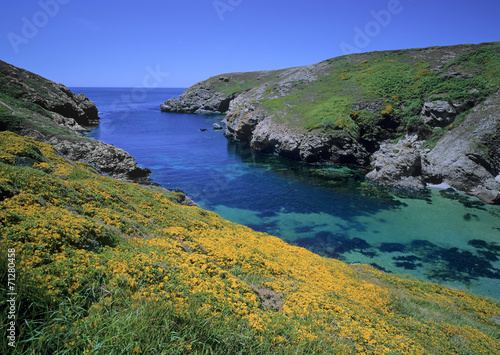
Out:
{"x": 217, "y": 126}
{"x": 398, "y": 165}
{"x": 105, "y": 157}
{"x": 486, "y": 195}
{"x": 438, "y": 113}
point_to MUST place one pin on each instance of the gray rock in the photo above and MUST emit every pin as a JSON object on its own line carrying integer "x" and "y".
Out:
{"x": 217, "y": 126}
{"x": 241, "y": 124}
{"x": 467, "y": 157}
{"x": 49, "y": 95}
{"x": 106, "y": 158}
{"x": 457, "y": 75}
{"x": 66, "y": 122}
{"x": 264, "y": 134}
{"x": 198, "y": 99}
{"x": 486, "y": 195}
{"x": 398, "y": 165}
{"x": 438, "y": 113}
{"x": 172, "y": 105}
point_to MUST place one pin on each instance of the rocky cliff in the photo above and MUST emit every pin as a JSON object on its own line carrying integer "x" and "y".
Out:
{"x": 408, "y": 117}
{"x": 51, "y": 113}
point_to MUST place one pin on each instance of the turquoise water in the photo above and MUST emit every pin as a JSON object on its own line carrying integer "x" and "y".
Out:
{"x": 442, "y": 236}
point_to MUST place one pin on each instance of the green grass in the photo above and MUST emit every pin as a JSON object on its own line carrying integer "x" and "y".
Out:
{"x": 240, "y": 82}
{"x": 394, "y": 78}
{"x": 235, "y": 86}
{"x": 32, "y": 117}
{"x": 15, "y": 90}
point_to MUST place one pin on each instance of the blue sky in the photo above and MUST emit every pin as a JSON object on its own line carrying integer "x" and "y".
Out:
{"x": 136, "y": 43}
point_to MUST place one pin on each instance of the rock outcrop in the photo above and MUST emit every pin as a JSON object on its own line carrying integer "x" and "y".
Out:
{"x": 438, "y": 113}
{"x": 399, "y": 164}
{"x": 198, "y": 100}
{"x": 352, "y": 109}
{"x": 264, "y": 134}
{"x": 29, "y": 87}
{"x": 36, "y": 107}
{"x": 106, "y": 158}
{"x": 466, "y": 158}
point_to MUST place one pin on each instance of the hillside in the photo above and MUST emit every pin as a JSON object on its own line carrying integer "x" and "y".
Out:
{"x": 49, "y": 112}
{"x": 395, "y": 113}
{"x": 108, "y": 267}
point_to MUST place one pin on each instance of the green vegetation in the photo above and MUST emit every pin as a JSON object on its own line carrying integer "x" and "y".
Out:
{"x": 230, "y": 84}
{"x": 107, "y": 267}
{"x": 27, "y": 116}
{"x": 394, "y": 84}
{"x": 16, "y": 90}
{"x": 235, "y": 86}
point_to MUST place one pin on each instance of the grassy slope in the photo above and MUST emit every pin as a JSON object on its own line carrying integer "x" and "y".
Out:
{"x": 29, "y": 87}
{"x": 27, "y": 116}
{"x": 108, "y": 267}
{"x": 397, "y": 83}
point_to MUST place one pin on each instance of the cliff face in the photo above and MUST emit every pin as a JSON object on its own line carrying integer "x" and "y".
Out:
{"x": 401, "y": 114}
{"x": 57, "y": 98}
{"x": 33, "y": 106}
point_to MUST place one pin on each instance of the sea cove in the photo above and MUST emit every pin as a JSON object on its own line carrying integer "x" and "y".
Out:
{"x": 222, "y": 177}
{"x": 442, "y": 236}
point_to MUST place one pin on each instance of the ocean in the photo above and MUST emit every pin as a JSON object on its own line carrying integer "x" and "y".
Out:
{"x": 441, "y": 236}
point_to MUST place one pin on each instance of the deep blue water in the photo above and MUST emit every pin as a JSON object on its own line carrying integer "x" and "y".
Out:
{"x": 443, "y": 236}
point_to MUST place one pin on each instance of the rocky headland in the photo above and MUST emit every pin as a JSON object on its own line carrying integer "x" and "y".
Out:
{"x": 33, "y": 106}
{"x": 409, "y": 118}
